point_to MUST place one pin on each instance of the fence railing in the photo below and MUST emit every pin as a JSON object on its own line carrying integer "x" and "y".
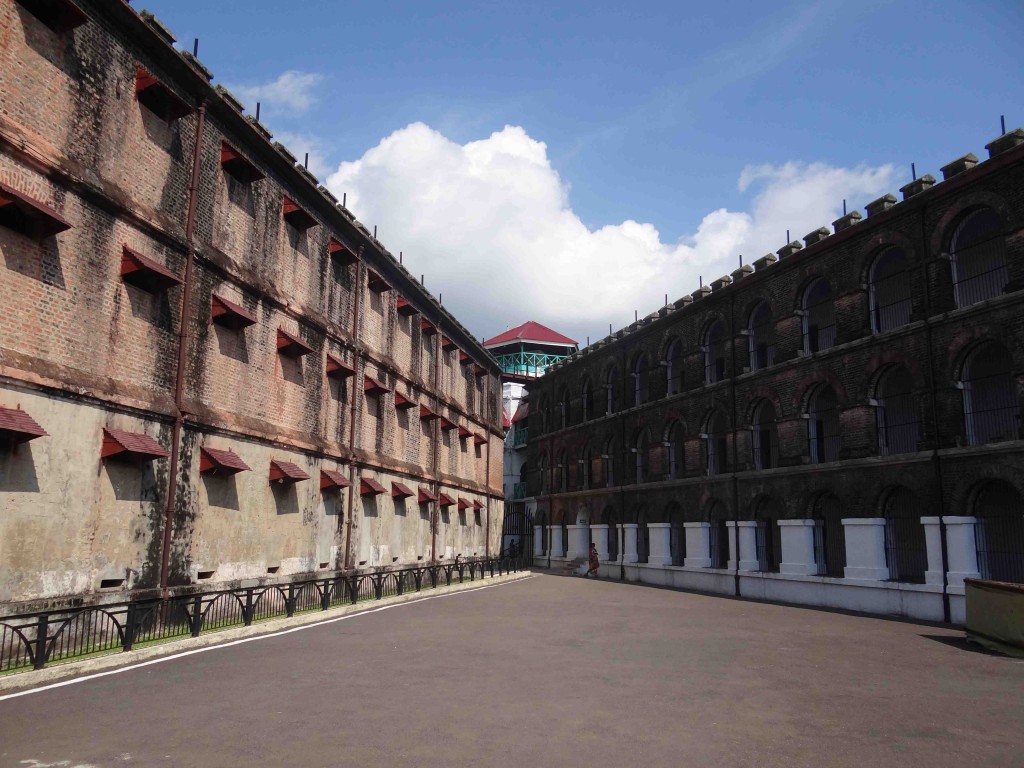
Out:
{"x": 36, "y": 640}
{"x": 520, "y": 436}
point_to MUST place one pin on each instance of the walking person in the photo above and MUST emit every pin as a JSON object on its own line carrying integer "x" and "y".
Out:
{"x": 595, "y": 561}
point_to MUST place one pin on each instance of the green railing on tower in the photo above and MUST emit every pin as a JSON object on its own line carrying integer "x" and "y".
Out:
{"x": 527, "y": 363}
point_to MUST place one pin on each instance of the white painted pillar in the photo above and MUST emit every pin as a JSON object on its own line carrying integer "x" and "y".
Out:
{"x": 743, "y": 532}
{"x": 578, "y": 544}
{"x": 797, "y": 548}
{"x": 962, "y": 550}
{"x": 698, "y": 545}
{"x": 555, "y": 540}
{"x": 661, "y": 544}
{"x": 933, "y": 545}
{"x": 600, "y": 536}
{"x": 538, "y": 540}
{"x": 629, "y": 554}
{"x": 865, "y": 548}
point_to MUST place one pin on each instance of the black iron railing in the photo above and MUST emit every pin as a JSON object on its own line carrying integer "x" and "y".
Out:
{"x": 36, "y": 640}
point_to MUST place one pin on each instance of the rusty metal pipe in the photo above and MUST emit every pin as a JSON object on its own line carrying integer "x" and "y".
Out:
{"x": 353, "y": 489}
{"x": 184, "y": 337}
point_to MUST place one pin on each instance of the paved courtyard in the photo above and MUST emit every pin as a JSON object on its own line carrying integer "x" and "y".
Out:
{"x": 548, "y": 671}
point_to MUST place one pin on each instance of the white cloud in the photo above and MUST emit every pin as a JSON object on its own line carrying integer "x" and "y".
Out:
{"x": 292, "y": 91}
{"x": 301, "y": 143}
{"x": 491, "y": 225}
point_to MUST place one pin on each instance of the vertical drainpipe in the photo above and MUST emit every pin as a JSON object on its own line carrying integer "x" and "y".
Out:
{"x": 354, "y": 412}
{"x": 622, "y": 471}
{"x": 936, "y": 459}
{"x": 184, "y": 337}
{"x": 735, "y": 430}
{"x": 436, "y": 440}
{"x": 487, "y": 485}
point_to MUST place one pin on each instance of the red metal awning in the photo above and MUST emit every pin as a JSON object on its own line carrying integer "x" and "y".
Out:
{"x": 136, "y": 445}
{"x": 400, "y": 490}
{"x": 158, "y": 98}
{"x": 341, "y": 253}
{"x": 142, "y": 272}
{"x": 405, "y": 308}
{"x": 217, "y": 461}
{"x": 445, "y": 424}
{"x": 332, "y": 478}
{"x": 286, "y": 472}
{"x": 403, "y": 403}
{"x": 373, "y": 387}
{"x": 464, "y": 358}
{"x": 425, "y": 495}
{"x": 521, "y": 412}
{"x": 426, "y": 414}
{"x": 229, "y": 314}
{"x": 338, "y": 368}
{"x": 291, "y": 346}
{"x": 464, "y": 504}
{"x": 477, "y": 504}
{"x": 43, "y": 221}
{"x": 282, "y": 471}
{"x": 427, "y": 328}
{"x": 370, "y": 487}
{"x": 445, "y": 500}
{"x": 237, "y": 165}
{"x": 447, "y": 343}
{"x": 463, "y": 432}
{"x": 479, "y": 439}
{"x": 295, "y": 215}
{"x": 376, "y": 283}
{"x": 18, "y": 427}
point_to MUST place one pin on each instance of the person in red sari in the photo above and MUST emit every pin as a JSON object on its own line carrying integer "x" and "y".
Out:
{"x": 595, "y": 561}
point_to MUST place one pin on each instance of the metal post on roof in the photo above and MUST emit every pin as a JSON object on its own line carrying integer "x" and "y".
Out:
{"x": 422, "y": 281}
{"x": 195, "y": 51}
{"x": 636, "y": 315}
{"x": 305, "y": 162}
{"x": 257, "y": 110}
{"x": 609, "y": 329}
{"x": 399, "y": 257}
{"x": 588, "y": 341}
{"x": 666, "y": 299}
{"x": 344, "y": 199}
{"x": 787, "y": 237}
{"x": 1002, "y": 124}
{"x": 374, "y": 231}
{"x": 913, "y": 171}
{"x": 844, "y": 206}
{"x": 701, "y": 279}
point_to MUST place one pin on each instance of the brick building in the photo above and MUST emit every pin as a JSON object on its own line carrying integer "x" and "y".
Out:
{"x": 835, "y": 424}
{"x": 209, "y": 370}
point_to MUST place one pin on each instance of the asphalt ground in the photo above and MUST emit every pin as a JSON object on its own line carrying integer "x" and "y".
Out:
{"x": 548, "y": 671}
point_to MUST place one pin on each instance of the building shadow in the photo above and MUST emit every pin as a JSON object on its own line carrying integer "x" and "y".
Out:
{"x": 963, "y": 644}
{"x": 231, "y": 343}
{"x": 286, "y": 500}
{"x": 221, "y": 491}
{"x": 40, "y": 261}
{"x": 291, "y": 369}
{"x": 18, "y": 469}
{"x": 131, "y": 480}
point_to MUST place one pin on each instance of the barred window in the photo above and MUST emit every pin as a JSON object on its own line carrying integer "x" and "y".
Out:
{"x": 896, "y": 413}
{"x": 718, "y": 538}
{"x": 586, "y": 400}
{"x": 991, "y": 405}
{"x": 759, "y": 337}
{"x": 889, "y": 291}
{"x": 977, "y": 253}
{"x": 768, "y": 536}
{"x": 764, "y": 436}
{"x": 714, "y": 353}
{"x": 674, "y": 445}
{"x": 677, "y": 539}
{"x": 829, "y": 536}
{"x": 905, "y": 550}
{"x": 609, "y": 385}
{"x": 715, "y": 444}
{"x": 674, "y": 368}
{"x": 819, "y": 323}
{"x": 999, "y": 532}
{"x": 823, "y": 435}
{"x": 640, "y": 380}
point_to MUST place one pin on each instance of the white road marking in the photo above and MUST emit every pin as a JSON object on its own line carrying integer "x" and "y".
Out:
{"x": 172, "y": 656}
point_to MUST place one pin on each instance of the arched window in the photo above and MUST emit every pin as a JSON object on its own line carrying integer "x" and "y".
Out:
{"x": 823, "y": 437}
{"x": 715, "y": 444}
{"x": 640, "y": 456}
{"x": 718, "y": 538}
{"x": 905, "y": 550}
{"x": 677, "y": 538}
{"x": 564, "y": 404}
{"x": 583, "y": 470}
{"x": 587, "y": 400}
{"x": 977, "y": 252}
{"x": 610, "y": 382}
{"x": 608, "y": 460}
{"x": 889, "y": 291}
{"x": 639, "y": 376}
{"x": 764, "y": 439}
{"x": 768, "y": 536}
{"x": 829, "y": 537}
{"x": 991, "y": 405}
{"x": 819, "y": 320}
{"x": 714, "y": 352}
{"x": 674, "y": 449}
{"x": 759, "y": 337}
{"x": 896, "y": 413}
{"x": 1000, "y": 532}
{"x": 674, "y": 368}
{"x": 562, "y": 473}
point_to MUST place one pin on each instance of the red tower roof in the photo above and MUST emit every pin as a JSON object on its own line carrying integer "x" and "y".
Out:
{"x": 530, "y": 331}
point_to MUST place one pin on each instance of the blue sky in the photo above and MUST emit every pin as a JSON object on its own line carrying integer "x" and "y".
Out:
{"x": 655, "y": 114}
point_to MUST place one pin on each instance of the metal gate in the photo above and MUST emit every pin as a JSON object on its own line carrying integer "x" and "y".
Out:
{"x": 517, "y": 536}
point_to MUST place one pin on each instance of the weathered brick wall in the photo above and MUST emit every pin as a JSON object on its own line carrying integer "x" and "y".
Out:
{"x": 931, "y": 347}
{"x": 81, "y": 350}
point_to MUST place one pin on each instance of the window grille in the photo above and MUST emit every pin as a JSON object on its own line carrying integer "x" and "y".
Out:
{"x": 896, "y": 414}
{"x": 999, "y": 532}
{"x": 714, "y": 353}
{"x": 823, "y": 433}
{"x": 643, "y": 542}
{"x": 674, "y": 369}
{"x": 819, "y": 323}
{"x": 640, "y": 380}
{"x": 906, "y": 552}
{"x": 769, "y": 545}
{"x": 760, "y": 348}
{"x": 764, "y": 437}
{"x": 889, "y": 291}
{"x": 991, "y": 406}
{"x": 978, "y": 257}
{"x": 677, "y": 540}
{"x": 719, "y": 544}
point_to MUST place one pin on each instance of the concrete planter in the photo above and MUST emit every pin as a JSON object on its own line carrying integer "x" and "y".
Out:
{"x": 995, "y": 615}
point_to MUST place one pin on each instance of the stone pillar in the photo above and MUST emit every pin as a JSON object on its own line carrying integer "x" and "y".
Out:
{"x": 698, "y": 545}
{"x": 538, "y": 540}
{"x": 661, "y": 544}
{"x": 629, "y": 554}
{"x": 865, "y": 548}
{"x": 744, "y": 533}
{"x": 578, "y": 541}
{"x": 600, "y": 536}
{"x": 555, "y": 540}
{"x": 797, "y": 548}
{"x": 962, "y": 550}
{"x": 933, "y": 545}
